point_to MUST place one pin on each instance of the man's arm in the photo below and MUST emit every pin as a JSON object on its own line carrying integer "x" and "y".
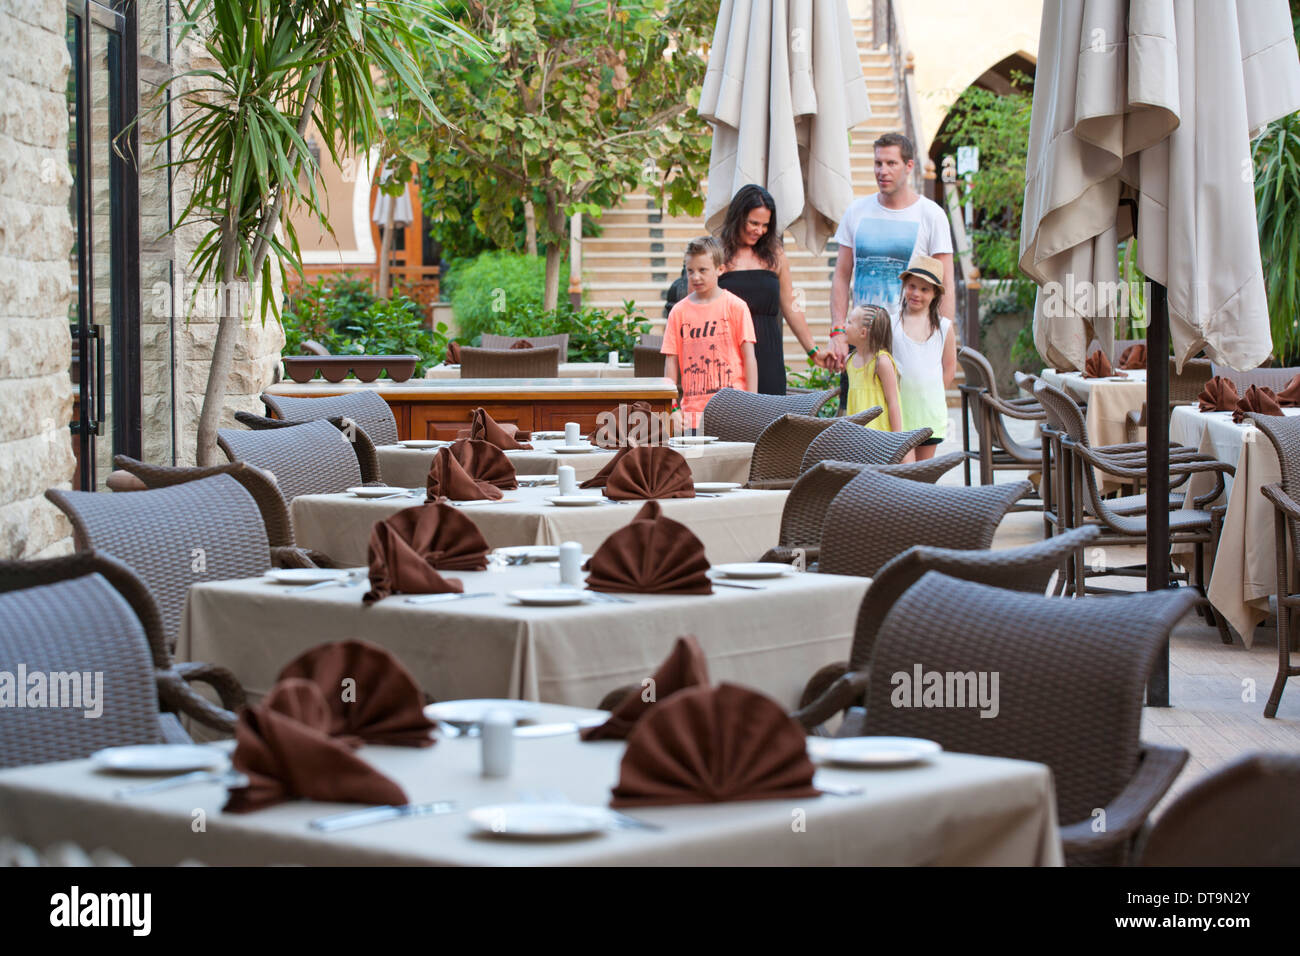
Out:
{"x": 840, "y": 283}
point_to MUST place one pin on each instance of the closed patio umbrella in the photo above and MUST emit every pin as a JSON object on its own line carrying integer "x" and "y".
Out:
{"x": 783, "y": 88}
{"x": 1141, "y": 124}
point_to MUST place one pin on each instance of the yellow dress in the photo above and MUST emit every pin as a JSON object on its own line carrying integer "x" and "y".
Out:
{"x": 865, "y": 390}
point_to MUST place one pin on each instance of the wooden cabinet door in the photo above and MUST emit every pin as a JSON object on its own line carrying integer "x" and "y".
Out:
{"x": 443, "y": 421}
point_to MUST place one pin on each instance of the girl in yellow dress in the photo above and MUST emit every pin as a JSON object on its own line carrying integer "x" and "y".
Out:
{"x": 872, "y": 381}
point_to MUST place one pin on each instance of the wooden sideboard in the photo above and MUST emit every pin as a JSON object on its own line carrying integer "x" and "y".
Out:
{"x": 432, "y": 408}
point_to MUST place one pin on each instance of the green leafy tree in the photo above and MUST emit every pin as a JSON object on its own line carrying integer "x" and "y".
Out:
{"x": 279, "y": 66}
{"x": 585, "y": 101}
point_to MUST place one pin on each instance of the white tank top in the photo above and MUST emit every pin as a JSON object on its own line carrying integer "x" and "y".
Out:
{"x": 920, "y": 379}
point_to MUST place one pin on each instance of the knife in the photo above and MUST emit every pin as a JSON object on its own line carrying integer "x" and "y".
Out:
{"x": 361, "y": 818}
{"x": 737, "y": 584}
{"x": 229, "y": 777}
{"x": 450, "y": 596}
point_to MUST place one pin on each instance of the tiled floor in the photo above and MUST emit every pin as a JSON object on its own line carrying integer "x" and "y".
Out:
{"x": 1217, "y": 692}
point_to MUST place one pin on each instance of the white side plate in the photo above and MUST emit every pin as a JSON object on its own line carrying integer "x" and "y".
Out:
{"x": 872, "y": 751}
{"x": 756, "y": 569}
{"x": 423, "y": 443}
{"x": 306, "y": 575}
{"x": 717, "y": 486}
{"x": 694, "y": 439}
{"x": 549, "y": 597}
{"x": 539, "y": 821}
{"x": 472, "y": 711}
{"x": 576, "y": 501}
{"x": 574, "y": 449}
{"x": 376, "y": 491}
{"x": 158, "y": 758}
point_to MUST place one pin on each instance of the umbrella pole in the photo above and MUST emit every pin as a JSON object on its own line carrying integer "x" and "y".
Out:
{"x": 1158, "y": 471}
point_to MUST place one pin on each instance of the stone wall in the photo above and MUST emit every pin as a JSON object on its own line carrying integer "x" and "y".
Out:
{"x": 35, "y": 281}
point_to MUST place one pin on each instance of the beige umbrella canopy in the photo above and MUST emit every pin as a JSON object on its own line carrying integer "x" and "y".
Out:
{"x": 1153, "y": 101}
{"x": 783, "y": 88}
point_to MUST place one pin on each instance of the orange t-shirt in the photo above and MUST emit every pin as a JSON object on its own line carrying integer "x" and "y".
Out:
{"x": 707, "y": 339}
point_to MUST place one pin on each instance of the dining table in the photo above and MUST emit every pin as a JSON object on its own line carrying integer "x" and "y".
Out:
{"x": 771, "y": 634}
{"x": 408, "y": 465}
{"x": 1109, "y": 401}
{"x": 566, "y": 370}
{"x": 950, "y": 810}
{"x": 734, "y": 526}
{"x": 1244, "y": 573}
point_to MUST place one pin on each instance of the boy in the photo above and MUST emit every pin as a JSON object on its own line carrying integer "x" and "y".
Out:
{"x": 710, "y": 337}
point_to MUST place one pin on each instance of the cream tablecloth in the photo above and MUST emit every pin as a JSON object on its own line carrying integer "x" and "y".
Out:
{"x": 717, "y": 461}
{"x": 773, "y": 639}
{"x": 1109, "y": 401}
{"x": 738, "y": 526}
{"x": 567, "y": 370}
{"x": 956, "y": 810}
{"x": 1245, "y": 567}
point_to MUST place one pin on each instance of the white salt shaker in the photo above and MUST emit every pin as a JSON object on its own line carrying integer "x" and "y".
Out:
{"x": 568, "y": 480}
{"x": 572, "y": 432}
{"x": 571, "y": 564}
{"x": 497, "y": 736}
{"x": 613, "y": 358}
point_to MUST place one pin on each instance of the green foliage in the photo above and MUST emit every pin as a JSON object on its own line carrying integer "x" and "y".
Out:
{"x": 1024, "y": 354}
{"x": 343, "y": 314}
{"x": 593, "y": 333}
{"x": 818, "y": 380}
{"x": 1277, "y": 206}
{"x": 495, "y": 288}
{"x": 586, "y": 101}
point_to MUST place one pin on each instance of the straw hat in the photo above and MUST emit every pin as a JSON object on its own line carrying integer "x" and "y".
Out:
{"x": 925, "y": 267}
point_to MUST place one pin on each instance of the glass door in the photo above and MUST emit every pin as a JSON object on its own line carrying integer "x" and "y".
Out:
{"x": 105, "y": 323}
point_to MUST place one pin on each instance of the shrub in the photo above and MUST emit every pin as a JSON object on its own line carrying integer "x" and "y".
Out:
{"x": 593, "y": 333}
{"x": 496, "y": 288}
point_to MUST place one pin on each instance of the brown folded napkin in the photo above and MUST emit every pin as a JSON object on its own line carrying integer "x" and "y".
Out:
{"x": 651, "y": 554}
{"x": 1258, "y": 398}
{"x": 1097, "y": 366}
{"x": 1219, "y": 394}
{"x": 685, "y": 666}
{"x": 628, "y": 420}
{"x": 372, "y": 698}
{"x": 1135, "y": 356}
{"x": 714, "y": 744}
{"x": 484, "y": 463}
{"x": 651, "y": 472}
{"x": 453, "y": 354}
{"x": 1290, "y": 396}
{"x": 408, "y": 547}
{"x": 601, "y": 478}
{"x": 482, "y": 427}
{"x": 448, "y": 479}
{"x": 284, "y": 748}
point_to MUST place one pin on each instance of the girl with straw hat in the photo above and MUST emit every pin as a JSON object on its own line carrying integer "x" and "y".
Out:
{"x": 925, "y": 351}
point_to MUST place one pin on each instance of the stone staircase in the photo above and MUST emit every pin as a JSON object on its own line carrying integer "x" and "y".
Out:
{"x": 639, "y": 252}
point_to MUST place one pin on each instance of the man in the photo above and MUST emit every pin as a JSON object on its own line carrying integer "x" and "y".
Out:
{"x": 878, "y": 236}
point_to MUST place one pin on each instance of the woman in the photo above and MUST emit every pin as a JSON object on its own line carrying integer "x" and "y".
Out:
{"x": 758, "y": 272}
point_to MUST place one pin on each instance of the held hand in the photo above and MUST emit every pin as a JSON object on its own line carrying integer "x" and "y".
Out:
{"x": 839, "y": 350}
{"x": 824, "y": 359}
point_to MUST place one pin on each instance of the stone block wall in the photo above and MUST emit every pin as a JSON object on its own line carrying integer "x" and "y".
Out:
{"x": 35, "y": 280}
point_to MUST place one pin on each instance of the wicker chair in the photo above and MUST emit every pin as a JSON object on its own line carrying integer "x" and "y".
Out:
{"x": 733, "y": 415}
{"x": 560, "y": 342}
{"x": 1274, "y": 378}
{"x": 312, "y": 347}
{"x": 837, "y": 688}
{"x": 1284, "y": 433}
{"x": 364, "y": 407}
{"x": 89, "y": 613}
{"x": 308, "y": 459}
{"x": 778, "y": 457}
{"x": 981, "y": 403}
{"x": 1124, "y": 522}
{"x": 209, "y": 529}
{"x": 845, "y": 441}
{"x": 510, "y": 363}
{"x": 367, "y": 454}
{"x": 1071, "y": 676}
{"x": 1184, "y": 387}
{"x": 877, "y": 516}
{"x": 650, "y": 341}
{"x": 1243, "y": 814}
{"x": 648, "y": 361}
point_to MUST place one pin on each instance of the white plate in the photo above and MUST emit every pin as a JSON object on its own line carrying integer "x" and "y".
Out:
{"x": 543, "y": 436}
{"x": 158, "y": 758}
{"x": 532, "y": 481}
{"x": 872, "y": 751}
{"x": 576, "y": 501}
{"x": 306, "y": 575}
{"x": 540, "y": 820}
{"x": 472, "y": 711}
{"x": 376, "y": 491}
{"x": 423, "y": 443}
{"x": 549, "y": 597}
{"x": 756, "y": 569}
{"x": 694, "y": 439}
{"x": 574, "y": 449}
{"x": 717, "y": 486}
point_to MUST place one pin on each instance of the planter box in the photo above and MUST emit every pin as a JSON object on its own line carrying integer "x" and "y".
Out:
{"x": 335, "y": 368}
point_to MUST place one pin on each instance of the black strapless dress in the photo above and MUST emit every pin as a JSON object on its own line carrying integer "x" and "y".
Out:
{"x": 761, "y": 290}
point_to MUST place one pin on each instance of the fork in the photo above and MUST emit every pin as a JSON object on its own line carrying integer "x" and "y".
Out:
{"x": 355, "y": 576}
{"x": 230, "y": 778}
